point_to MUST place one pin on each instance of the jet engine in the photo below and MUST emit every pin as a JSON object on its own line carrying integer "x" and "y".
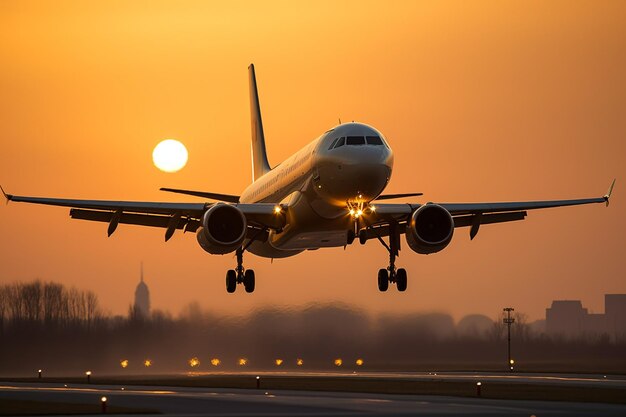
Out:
{"x": 430, "y": 229}
{"x": 223, "y": 229}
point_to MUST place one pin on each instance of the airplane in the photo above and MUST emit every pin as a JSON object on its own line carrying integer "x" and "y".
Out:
{"x": 326, "y": 195}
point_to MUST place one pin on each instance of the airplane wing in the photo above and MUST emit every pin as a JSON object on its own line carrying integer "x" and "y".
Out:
{"x": 171, "y": 216}
{"x": 472, "y": 214}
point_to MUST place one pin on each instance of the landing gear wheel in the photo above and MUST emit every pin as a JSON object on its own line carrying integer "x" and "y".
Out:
{"x": 383, "y": 280}
{"x": 231, "y": 281}
{"x": 401, "y": 280}
{"x": 249, "y": 280}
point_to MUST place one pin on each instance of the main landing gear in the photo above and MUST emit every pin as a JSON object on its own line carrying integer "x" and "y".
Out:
{"x": 240, "y": 275}
{"x": 391, "y": 274}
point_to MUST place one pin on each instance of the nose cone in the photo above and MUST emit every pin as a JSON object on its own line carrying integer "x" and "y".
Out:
{"x": 353, "y": 172}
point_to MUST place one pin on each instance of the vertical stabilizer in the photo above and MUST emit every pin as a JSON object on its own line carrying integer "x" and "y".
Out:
{"x": 260, "y": 165}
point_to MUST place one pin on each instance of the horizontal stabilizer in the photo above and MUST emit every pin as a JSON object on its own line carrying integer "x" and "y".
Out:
{"x": 214, "y": 196}
{"x": 392, "y": 196}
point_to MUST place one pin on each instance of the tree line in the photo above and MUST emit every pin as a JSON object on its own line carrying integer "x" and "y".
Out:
{"x": 64, "y": 330}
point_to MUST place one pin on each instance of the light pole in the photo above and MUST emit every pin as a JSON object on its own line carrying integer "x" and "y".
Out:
{"x": 508, "y": 320}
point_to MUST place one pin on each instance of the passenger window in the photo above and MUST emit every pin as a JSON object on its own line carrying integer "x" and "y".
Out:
{"x": 332, "y": 145}
{"x": 341, "y": 142}
{"x": 374, "y": 140}
{"x": 355, "y": 140}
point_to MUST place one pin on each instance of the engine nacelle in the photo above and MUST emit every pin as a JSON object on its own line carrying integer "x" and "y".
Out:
{"x": 223, "y": 229}
{"x": 430, "y": 229}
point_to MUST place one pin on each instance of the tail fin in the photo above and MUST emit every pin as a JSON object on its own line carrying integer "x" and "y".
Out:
{"x": 260, "y": 165}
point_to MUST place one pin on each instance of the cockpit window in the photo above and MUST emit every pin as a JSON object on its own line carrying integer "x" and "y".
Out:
{"x": 374, "y": 140}
{"x": 332, "y": 145}
{"x": 340, "y": 142}
{"x": 355, "y": 140}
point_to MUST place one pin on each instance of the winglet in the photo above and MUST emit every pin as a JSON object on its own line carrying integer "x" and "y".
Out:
{"x": 9, "y": 197}
{"x": 607, "y": 196}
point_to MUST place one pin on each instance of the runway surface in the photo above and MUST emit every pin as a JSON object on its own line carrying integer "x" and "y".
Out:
{"x": 251, "y": 402}
{"x": 585, "y": 380}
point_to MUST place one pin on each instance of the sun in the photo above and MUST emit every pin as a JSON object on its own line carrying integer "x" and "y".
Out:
{"x": 170, "y": 155}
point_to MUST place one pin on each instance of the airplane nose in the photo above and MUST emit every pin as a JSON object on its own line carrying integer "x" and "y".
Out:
{"x": 363, "y": 171}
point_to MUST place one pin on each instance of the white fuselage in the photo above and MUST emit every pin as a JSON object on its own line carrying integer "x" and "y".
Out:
{"x": 349, "y": 164}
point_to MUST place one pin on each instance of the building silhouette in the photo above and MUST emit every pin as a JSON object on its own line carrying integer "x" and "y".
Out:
{"x": 568, "y": 318}
{"x": 142, "y": 297}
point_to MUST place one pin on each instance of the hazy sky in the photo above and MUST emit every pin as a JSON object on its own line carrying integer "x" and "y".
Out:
{"x": 481, "y": 101}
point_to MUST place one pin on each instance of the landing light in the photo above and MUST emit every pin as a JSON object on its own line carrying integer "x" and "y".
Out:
{"x": 277, "y": 210}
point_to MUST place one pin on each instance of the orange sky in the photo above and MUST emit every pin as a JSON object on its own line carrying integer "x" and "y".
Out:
{"x": 481, "y": 101}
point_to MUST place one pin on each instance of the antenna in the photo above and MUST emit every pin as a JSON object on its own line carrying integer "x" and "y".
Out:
{"x": 340, "y": 120}
{"x": 141, "y": 275}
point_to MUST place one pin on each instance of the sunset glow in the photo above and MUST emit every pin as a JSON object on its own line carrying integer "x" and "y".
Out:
{"x": 468, "y": 96}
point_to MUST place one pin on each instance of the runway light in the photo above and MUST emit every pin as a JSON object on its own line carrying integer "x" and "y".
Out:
{"x": 359, "y": 362}
{"x": 147, "y": 363}
{"x": 88, "y": 373}
{"x": 39, "y": 373}
{"x": 278, "y": 362}
{"x": 299, "y": 362}
{"x": 478, "y": 388}
{"x": 338, "y": 362}
{"x": 193, "y": 362}
{"x": 103, "y": 401}
{"x": 124, "y": 363}
{"x": 258, "y": 382}
{"x": 511, "y": 361}
{"x": 243, "y": 361}
{"x": 215, "y": 362}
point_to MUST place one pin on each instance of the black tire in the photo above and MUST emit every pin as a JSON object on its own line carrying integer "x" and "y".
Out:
{"x": 383, "y": 280}
{"x": 401, "y": 279}
{"x": 249, "y": 280}
{"x": 231, "y": 280}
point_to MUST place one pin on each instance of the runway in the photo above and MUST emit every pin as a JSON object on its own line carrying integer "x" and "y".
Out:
{"x": 260, "y": 402}
{"x": 232, "y": 402}
{"x": 583, "y": 380}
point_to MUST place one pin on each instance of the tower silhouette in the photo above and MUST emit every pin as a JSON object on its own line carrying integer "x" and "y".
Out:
{"x": 142, "y": 297}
